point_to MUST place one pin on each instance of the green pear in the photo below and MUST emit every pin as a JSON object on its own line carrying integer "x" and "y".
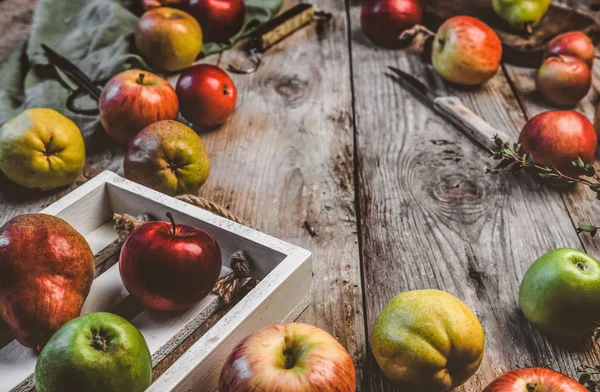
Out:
{"x": 521, "y": 14}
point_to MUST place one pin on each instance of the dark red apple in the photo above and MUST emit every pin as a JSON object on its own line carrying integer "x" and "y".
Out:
{"x": 573, "y": 43}
{"x": 557, "y": 138}
{"x": 169, "y": 267}
{"x": 207, "y": 95}
{"x": 219, "y": 19}
{"x": 134, "y": 99}
{"x": 534, "y": 379}
{"x": 384, "y": 20}
{"x": 563, "y": 80}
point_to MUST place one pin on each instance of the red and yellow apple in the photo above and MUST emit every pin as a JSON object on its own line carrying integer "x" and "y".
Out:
{"x": 573, "y": 43}
{"x": 557, "y": 138}
{"x": 169, "y": 267}
{"x": 384, "y": 20}
{"x": 170, "y": 39}
{"x": 207, "y": 95}
{"x": 134, "y": 99}
{"x": 466, "y": 51}
{"x": 534, "y": 379}
{"x": 291, "y": 357}
{"x": 563, "y": 80}
{"x": 220, "y": 19}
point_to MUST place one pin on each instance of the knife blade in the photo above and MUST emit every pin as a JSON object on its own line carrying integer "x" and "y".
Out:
{"x": 452, "y": 109}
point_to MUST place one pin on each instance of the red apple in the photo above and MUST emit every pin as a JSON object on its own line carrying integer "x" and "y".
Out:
{"x": 563, "y": 80}
{"x": 557, "y": 138}
{"x": 207, "y": 95}
{"x": 170, "y": 39}
{"x": 573, "y": 43}
{"x": 291, "y": 357}
{"x": 534, "y": 379}
{"x": 134, "y": 99}
{"x": 466, "y": 51}
{"x": 384, "y": 20}
{"x": 169, "y": 267}
{"x": 220, "y": 19}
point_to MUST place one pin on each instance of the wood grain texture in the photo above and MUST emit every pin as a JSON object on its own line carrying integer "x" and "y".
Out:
{"x": 431, "y": 218}
{"x": 286, "y": 157}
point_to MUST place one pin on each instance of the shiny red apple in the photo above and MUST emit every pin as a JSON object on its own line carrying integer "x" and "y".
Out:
{"x": 534, "y": 379}
{"x": 290, "y": 357}
{"x": 557, "y": 138}
{"x": 169, "y": 267}
{"x": 220, "y": 19}
{"x": 207, "y": 95}
{"x": 466, "y": 51}
{"x": 384, "y": 20}
{"x": 563, "y": 80}
{"x": 134, "y": 99}
{"x": 573, "y": 43}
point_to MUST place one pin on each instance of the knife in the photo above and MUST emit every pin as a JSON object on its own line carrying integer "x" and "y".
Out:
{"x": 452, "y": 109}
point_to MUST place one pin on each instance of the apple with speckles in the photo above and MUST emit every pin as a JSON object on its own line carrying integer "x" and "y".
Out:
{"x": 291, "y": 357}
{"x": 134, "y": 99}
{"x": 534, "y": 379}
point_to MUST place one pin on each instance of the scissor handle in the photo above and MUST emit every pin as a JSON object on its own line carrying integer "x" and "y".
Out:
{"x": 77, "y": 110}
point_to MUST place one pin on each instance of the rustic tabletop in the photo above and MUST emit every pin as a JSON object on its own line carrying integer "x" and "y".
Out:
{"x": 326, "y": 152}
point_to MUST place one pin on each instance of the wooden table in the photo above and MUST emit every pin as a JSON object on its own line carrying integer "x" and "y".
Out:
{"x": 397, "y": 197}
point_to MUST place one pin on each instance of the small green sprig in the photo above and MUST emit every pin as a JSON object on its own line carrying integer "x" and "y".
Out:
{"x": 512, "y": 160}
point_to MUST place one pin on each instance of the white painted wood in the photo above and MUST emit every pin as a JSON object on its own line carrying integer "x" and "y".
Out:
{"x": 467, "y": 121}
{"x": 282, "y": 294}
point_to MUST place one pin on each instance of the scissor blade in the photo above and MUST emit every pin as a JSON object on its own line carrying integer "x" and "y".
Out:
{"x": 412, "y": 84}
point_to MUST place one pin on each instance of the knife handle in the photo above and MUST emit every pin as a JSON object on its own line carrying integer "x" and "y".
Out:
{"x": 467, "y": 121}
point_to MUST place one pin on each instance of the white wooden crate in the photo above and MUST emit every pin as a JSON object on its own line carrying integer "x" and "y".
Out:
{"x": 284, "y": 270}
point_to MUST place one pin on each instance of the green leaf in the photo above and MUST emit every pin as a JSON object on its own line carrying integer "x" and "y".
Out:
{"x": 585, "y": 228}
{"x": 584, "y": 378}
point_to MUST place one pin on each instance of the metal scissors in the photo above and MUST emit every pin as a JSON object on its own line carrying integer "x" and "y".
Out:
{"x": 84, "y": 85}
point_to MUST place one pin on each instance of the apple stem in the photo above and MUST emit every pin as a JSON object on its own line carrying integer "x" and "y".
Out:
{"x": 141, "y": 79}
{"x": 170, "y": 216}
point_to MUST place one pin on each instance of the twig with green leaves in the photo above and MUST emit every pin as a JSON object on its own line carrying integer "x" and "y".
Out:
{"x": 589, "y": 377}
{"x": 512, "y": 160}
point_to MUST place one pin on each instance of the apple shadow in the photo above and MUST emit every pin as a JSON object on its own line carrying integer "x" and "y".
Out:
{"x": 14, "y": 192}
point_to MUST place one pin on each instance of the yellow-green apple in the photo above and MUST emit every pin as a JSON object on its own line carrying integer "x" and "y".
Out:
{"x": 384, "y": 20}
{"x": 466, "y": 51}
{"x": 207, "y": 95}
{"x": 46, "y": 271}
{"x": 168, "y": 156}
{"x": 134, "y": 99}
{"x": 169, "y": 267}
{"x": 170, "y": 39}
{"x": 427, "y": 340}
{"x": 563, "y": 80}
{"x": 41, "y": 149}
{"x": 573, "y": 43}
{"x": 98, "y": 352}
{"x": 220, "y": 19}
{"x": 560, "y": 294}
{"x": 557, "y": 138}
{"x": 533, "y": 380}
{"x": 522, "y": 14}
{"x": 291, "y": 357}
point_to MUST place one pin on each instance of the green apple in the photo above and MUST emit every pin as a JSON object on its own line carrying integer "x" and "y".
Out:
{"x": 98, "y": 352}
{"x": 560, "y": 294}
{"x": 168, "y": 156}
{"x": 521, "y": 14}
{"x": 41, "y": 148}
{"x": 427, "y": 340}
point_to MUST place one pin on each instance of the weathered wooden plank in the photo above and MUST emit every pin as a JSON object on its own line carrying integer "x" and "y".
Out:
{"x": 431, "y": 218}
{"x": 284, "y": 163}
